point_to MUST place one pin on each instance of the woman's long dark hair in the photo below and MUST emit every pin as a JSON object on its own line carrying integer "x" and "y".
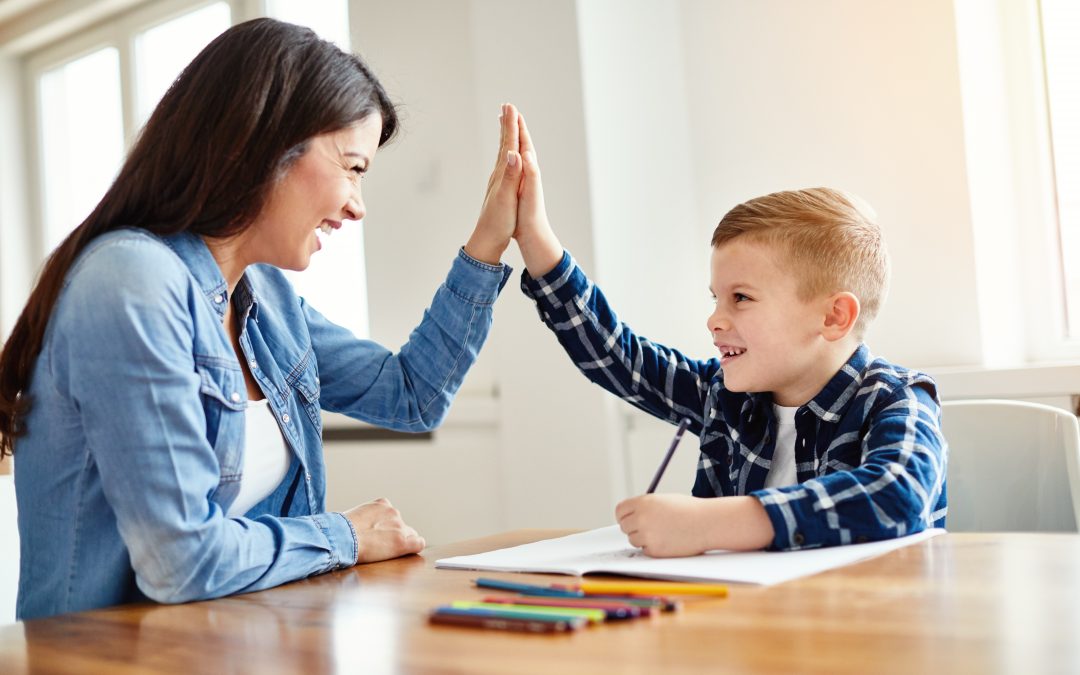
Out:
{"x": 229, "y": 127}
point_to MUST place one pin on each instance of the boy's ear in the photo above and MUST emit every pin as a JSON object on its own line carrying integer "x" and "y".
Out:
{"x": 841, "y": 312}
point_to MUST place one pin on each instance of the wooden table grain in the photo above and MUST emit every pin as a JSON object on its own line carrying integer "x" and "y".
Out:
{"x": 964, "y": 603}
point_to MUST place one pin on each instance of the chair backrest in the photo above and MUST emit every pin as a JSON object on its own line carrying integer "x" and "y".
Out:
{"x": 1012, "y": 467}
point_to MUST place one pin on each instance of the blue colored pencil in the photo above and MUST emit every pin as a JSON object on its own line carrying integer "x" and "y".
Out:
{"x": 528, "y": 589}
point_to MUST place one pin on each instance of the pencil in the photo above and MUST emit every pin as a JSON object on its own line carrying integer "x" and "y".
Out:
{"x": 651, "y": 588}
{"x": 494, "y": 612}
{"x": 527, "y": 589}
{"x": 611, "y": 608}
{"x": 518, "y": 625}
{"x": 683, "y": 423}
{"x": 593, "y": 615}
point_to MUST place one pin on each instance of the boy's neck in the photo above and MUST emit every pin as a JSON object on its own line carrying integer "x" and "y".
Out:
{"x": 818, "y": 375}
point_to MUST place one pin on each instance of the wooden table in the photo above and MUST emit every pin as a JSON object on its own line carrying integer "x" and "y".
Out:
{"x": 970, "y": 603}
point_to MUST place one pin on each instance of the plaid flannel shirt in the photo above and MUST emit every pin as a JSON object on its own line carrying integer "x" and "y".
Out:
{"x": 870, "y": 457}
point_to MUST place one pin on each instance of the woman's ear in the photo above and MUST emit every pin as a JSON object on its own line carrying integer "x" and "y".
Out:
{"x": 841, "y": 313}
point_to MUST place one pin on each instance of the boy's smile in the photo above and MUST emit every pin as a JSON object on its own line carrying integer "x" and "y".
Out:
{"x": 769, "y": 338}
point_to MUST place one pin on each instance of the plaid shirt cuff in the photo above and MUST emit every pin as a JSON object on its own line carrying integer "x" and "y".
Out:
{"x": 556, "y": 288}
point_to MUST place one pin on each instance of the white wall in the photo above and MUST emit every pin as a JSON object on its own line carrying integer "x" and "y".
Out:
{"x": 858, "y": 95}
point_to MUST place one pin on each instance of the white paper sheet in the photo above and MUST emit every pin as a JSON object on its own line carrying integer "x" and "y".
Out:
{"x": 608, "y": 550}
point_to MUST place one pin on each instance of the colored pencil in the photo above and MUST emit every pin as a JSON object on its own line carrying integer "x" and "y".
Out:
{"x": 593, "y": 615}
{"x": 650, "y": 588}
{"x": 528, "y": 589}
{"x": 612, "y": 609}
{"x": 497, "y": 623}
{"x": 683, "y": 423}
{"x": 496, "y": 612}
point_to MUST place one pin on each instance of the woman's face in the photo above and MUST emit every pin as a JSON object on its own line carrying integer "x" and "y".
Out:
{"x": 319, "y": 191}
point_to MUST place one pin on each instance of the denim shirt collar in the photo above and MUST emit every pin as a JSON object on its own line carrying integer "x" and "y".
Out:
{"x": 830, "y": 402}
{"x": 196, "y": 255}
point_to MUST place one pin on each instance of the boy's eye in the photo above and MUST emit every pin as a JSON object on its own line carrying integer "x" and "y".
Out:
{"x": 739, "y": 297}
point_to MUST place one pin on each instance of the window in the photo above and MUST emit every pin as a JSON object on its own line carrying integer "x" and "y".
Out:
{"x": 91, "y": 93}
{"x": 164, "y": 50}
{"x": 335, "y": 282}
{"x": 82, "y": 138}
{"x": 1020, "y": 99}
{"x": 1060, "y": 21}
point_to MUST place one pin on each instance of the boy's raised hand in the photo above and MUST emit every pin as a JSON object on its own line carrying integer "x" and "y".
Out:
{"x": 540, "y": 248}
{"x": 498, "y": 215}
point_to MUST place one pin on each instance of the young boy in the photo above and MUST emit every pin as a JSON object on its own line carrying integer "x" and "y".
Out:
{"x": 807, "y": 440}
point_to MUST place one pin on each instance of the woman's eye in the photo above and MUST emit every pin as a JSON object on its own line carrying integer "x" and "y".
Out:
{"x": 359, "y": 171}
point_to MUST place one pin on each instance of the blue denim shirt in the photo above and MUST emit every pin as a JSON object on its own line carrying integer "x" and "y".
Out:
{"x": 135, "y": 441}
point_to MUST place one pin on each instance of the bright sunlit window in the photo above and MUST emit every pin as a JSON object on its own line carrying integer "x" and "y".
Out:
{"x": 1061, "y": 52}
{"x": 82, "y": 139}
{"x": 164, "y": 50}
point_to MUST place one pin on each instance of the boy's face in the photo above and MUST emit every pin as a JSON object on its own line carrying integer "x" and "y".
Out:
{"x": 769, "y": 339}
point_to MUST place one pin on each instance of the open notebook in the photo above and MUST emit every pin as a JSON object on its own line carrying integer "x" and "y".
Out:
{"x": 607, "y": 550}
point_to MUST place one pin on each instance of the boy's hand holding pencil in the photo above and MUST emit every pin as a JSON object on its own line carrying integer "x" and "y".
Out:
{"x": 675, "y": 525}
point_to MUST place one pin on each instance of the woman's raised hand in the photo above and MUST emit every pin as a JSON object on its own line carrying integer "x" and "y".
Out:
{"x": 381, "y": 534}
{"x": 498, "y": 215}
{"x": 540, "y": 248}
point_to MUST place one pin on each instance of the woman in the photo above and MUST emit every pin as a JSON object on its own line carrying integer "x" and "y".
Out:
{"x": 164, "y": 382}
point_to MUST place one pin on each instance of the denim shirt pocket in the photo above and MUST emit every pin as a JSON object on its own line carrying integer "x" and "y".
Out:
{"x": 224, "y": 399}
{"x": 304, "y": 380}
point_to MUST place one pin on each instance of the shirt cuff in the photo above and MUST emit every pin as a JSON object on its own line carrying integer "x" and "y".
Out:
{"x": 559, "y": 286}
{"x": 475, "y": 281}
{"x": 342, "y": 538}
{"x": 794, "y": 521}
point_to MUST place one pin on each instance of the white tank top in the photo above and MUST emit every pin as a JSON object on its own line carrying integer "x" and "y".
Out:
{"x": 266, "y": 458}
{"x": 782, "y": 472}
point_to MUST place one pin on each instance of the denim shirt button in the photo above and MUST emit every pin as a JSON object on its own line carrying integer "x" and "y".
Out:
{"x": 253, "y": 364}
{"x": 235, "y": 396}
{"x": 219, "y": 298}
{"x": 285, "y": 418}
{"x": 307, "y": 475}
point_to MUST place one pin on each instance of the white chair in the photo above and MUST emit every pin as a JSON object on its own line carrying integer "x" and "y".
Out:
{"x": 1013, "y": 467}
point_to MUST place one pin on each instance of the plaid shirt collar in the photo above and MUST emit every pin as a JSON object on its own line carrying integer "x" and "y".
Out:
{"x": 830, "y": 402}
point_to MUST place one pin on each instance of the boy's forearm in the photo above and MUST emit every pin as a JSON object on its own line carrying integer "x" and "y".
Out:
{"x": 541, "y": 251}
{"x": 736, "y": 524}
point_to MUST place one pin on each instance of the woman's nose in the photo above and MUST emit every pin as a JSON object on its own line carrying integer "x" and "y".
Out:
{"x": 354, "y": 209}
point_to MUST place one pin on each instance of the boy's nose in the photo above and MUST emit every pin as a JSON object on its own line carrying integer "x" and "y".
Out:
{"x": 718, "y": 321}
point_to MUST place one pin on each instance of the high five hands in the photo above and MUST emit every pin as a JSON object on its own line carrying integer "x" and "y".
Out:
{"x": 514, "y": 203}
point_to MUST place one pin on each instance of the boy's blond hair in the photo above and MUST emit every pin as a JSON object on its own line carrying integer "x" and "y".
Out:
{"x": 829, "y": 239}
